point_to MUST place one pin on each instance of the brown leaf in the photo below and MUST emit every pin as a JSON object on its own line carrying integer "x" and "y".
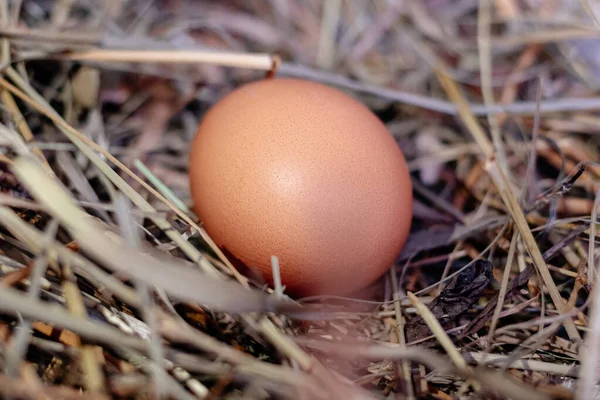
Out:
{"x": 456, "y": 298}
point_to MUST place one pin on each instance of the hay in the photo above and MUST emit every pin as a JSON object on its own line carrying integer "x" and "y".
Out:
{"x": 111, "y": 288}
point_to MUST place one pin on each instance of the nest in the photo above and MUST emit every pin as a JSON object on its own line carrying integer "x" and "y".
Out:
{"x": 112, "y": 289}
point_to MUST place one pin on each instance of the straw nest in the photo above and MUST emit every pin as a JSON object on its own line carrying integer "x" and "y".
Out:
{"x": 111, "y": 288}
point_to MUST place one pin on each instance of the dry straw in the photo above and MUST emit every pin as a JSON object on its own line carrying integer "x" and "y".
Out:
{"x": 541, "y": 131}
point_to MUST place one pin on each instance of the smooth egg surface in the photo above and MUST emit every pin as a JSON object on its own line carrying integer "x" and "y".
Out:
{"x": 305, "y": 172}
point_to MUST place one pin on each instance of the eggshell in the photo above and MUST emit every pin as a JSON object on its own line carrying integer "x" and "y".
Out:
{"x": 303, "y": 171}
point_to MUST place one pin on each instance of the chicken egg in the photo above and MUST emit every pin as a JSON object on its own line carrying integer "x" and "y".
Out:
{"x": 302, "y": 171}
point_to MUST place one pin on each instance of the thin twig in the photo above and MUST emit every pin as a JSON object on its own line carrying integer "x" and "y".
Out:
{"x": 227, "y": 59}
{"x": 485, "y": 62}
{"x": 530, "y": 174}
{"x": 591, "y": 254}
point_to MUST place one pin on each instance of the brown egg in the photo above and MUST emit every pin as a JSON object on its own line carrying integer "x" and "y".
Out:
{"x": 302, "y": 171}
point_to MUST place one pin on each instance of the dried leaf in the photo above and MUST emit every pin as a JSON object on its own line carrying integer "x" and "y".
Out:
{"x": 460, "y": 294}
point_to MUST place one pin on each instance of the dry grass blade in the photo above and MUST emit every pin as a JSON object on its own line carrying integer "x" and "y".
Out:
{"x": 11, "y": 105}
{"x": 164, "y": 190}
{"x": 405, "y": 365}
{"x": 485, "y": 62}
{"x": 327, "y": 37}
{"x": 526, "y": 364}
{"x": 590, "y": 351}
{"x": 591, "y": 254}
{"x": 503, "y": 289}
{"x": 286, "y": 345}
{"x": 438, "y": 331}
{"x": 473, "y": 126}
